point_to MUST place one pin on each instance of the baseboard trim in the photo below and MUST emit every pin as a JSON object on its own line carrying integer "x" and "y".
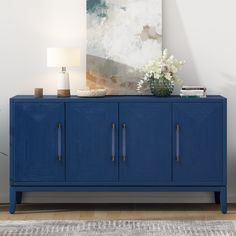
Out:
{"x": 117, "y": 198}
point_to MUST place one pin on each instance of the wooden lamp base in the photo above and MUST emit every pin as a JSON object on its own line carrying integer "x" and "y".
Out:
{"x": 63, "y": 84}
{"x": 63, "y": 92}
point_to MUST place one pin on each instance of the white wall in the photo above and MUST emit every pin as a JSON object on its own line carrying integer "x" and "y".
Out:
{"x": 201, "y": 32}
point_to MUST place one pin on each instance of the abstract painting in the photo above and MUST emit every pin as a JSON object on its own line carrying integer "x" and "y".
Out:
{"x": 122, "y": 36}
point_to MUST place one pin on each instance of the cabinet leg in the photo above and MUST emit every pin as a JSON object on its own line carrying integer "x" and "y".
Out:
{"x": 223, "y": 200}
{"x": 18, "y": 197}
{"x": 12, "y": 207}
{"x": 217, "y": 197}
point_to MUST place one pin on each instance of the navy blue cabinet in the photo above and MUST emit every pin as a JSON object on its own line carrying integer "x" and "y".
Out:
{"x": 38, "y": 136}
{"x": 145, "y": 143}
{"x": 92, "y": 142}
{"x": 198, "y": 143}
{"x": 126, "y": 143}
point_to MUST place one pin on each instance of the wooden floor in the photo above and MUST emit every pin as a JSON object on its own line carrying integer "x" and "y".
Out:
{"x": 118, "y": 212}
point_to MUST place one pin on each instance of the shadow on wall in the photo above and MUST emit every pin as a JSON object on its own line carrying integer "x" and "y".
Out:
{"x": 176, "y": 40}
{"x": 4, "y": 161}
{"x": 229, "y": 85}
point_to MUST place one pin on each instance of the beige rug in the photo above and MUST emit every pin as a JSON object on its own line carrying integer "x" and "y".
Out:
{"x": 117, "y": 228}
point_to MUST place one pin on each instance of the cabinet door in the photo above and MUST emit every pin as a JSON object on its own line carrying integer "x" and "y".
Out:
{"x": 145, "y": 143}
{"x": 38, "y": 148}
{"x": 198, "y": 153}
{"x": 92, "y": 142}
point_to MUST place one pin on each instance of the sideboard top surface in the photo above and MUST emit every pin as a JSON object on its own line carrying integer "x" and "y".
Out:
{"x": 53, "y": 98}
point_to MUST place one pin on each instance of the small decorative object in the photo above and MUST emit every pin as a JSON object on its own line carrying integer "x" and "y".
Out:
{"x": 160, "y": 75}
{"x": 38, "y": 92}
{"x": 91, "y": 92}
{"x": 193, "y": 91}
{"x": 63, "y": 57}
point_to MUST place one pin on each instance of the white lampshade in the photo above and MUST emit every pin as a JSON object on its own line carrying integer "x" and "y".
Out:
{"x": 63, "y": 57}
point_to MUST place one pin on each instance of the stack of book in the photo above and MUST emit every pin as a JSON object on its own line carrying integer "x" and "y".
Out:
{"x": 193, "y": 91}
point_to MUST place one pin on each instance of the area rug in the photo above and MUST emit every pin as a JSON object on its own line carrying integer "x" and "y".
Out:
{"x": 120, "y": 227}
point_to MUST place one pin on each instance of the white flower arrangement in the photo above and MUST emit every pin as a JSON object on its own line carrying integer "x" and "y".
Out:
{"x": 165, "y": 67}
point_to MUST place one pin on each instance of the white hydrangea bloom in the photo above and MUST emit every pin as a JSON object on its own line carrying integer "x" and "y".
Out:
{"x": 168, "y": 76}
{"x": 164, "y": 67}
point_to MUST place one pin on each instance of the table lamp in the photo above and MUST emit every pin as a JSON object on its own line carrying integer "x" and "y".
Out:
{"x": 63, "y": 57}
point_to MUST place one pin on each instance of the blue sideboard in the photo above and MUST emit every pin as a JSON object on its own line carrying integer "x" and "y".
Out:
{"x": 118, "y": 143}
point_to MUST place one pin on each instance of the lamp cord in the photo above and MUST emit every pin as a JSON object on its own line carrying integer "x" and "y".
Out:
{"x": 4, "y": 154}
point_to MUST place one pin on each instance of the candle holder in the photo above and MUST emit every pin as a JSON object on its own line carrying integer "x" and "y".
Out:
{"x": 38, "y": 92}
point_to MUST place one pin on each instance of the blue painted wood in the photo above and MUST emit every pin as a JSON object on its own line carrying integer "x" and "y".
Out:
{"x": 118, "y": 183}
{"x": 35, "y": 149}
{"x": 148, "y": 143}
{"x": 200, "y": 144}
{"x": 117, "y": 99}
{"x": 101, "y": 188}
{"x": 223, "y": 200}
{"x": 12, "y": 207}
{"x": 89, "y": 142}
{"x": 224, "y": 138}
{"x": 86, "y": 145}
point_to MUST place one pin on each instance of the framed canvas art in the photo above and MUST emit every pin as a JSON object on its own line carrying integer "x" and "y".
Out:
{"x": 122, "y": 36}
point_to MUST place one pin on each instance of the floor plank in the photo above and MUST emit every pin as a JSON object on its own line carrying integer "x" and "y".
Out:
{"x": 118, "y": 212}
